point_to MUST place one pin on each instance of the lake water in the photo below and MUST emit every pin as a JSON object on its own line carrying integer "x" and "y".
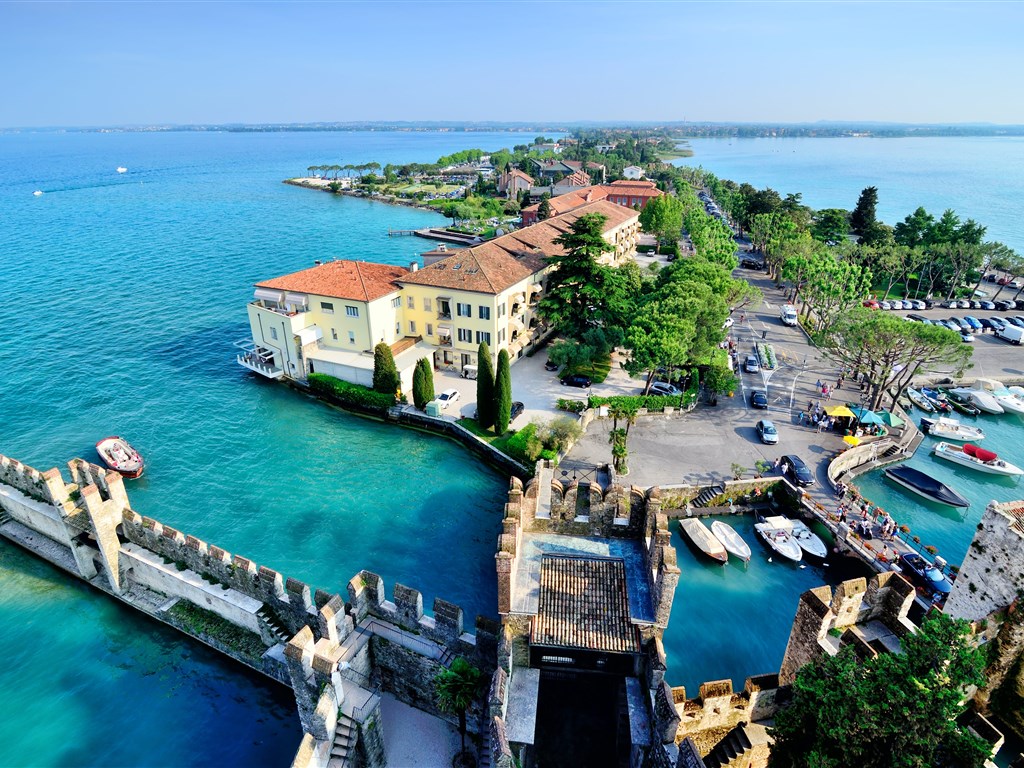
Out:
{"x": 124, "y": 294}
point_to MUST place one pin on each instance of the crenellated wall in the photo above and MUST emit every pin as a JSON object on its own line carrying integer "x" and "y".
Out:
{"x": 718, "y": 709}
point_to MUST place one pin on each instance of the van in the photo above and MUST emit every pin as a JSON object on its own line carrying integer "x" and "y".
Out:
{"x": 788, "y": 315}
{"x": 470, "y": 371}
{"x": 1010, "y": 333}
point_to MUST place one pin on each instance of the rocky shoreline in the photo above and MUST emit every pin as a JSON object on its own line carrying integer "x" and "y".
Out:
{"x": 321, "y": 185}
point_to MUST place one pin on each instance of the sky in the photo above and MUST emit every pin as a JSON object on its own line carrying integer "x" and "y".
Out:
{"x": 155, "y": 63}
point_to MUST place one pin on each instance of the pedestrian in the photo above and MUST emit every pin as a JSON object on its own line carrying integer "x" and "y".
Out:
{"x": 842, "y": 513}
{"x": 821, "y": 425}
{"x": 775, "y": 464}
{"x": 817, "y": 384}
{"x": 810, "y": 406}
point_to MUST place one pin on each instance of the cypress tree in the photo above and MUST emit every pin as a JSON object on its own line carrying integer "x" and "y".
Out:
{"x": 502, "y": 394}
{"x": 423, "y": 383}
{"x": 484, "y": 387}
{"x": 385, "y": 374}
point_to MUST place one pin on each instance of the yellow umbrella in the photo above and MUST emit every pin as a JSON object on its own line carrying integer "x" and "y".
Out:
{"x": 852, "y": 440}
{"x": 839, "y": 410}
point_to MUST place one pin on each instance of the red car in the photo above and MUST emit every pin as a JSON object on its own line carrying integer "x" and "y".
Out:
{"x": 871, "y": 304}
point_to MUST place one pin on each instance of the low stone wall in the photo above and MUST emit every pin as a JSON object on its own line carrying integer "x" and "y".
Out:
{"x": 481, "y": 448}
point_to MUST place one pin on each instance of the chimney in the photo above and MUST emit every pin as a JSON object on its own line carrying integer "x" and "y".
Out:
{"x": 413, "y": 266}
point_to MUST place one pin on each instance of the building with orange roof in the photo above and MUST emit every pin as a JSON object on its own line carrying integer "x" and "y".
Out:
{"x": 627, "y": 193}
{"x": 512, "y": 182}
{"x": 328, "y": 318}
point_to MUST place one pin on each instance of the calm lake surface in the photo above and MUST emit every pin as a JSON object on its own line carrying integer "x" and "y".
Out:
{"x": 124, "y": 295}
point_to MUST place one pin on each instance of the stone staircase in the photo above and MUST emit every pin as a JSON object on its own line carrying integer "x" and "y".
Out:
{"x": 4, "y": 518}
{"x": 743, "y": 745}
{"x": 344, "y": 742}
{"x": 276, "y": 628}
{"x": 707, "y": 494}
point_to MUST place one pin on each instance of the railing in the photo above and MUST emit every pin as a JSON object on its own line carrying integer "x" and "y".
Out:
{"x": 444, "y": 341}
{"x": 280, "y": 310}
{"x": 444, "y": 315}
{"x": 254, "y": 364}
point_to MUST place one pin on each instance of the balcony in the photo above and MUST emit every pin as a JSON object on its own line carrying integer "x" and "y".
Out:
{"x": 288, "y": 310}
{"x": 257, "y": 359}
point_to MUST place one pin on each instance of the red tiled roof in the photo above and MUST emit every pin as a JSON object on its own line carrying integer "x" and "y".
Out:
{"x": 356, "y": 280}
{"x": 578, "y": 197}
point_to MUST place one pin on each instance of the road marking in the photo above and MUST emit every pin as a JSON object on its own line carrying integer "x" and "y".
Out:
{"x": 768, "y": 305}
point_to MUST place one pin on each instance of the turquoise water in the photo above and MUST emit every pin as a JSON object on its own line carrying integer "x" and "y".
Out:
{"x": 123, "y": 295}
{"x": 978, "y": 177}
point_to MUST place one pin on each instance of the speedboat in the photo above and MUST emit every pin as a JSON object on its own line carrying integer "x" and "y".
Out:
{"x": 122, "y": 169}
{"x": 808, "y": 540}
{"x": 920, "y": 400}
{"x": 937, "y": 399}
{"x": 120, "y": 456}
{"x": 703, "y": 539}
{"x": 917, "y": 481}
{"x": 925, "y": 575}
{"x": 980, "y": 399}
{"x": 960, "y": 403}
{"x": 1008, "y": 400}
{"x": 951, "y": 429}
{"x": 733, "y": 542}
{"x": 777, "y": 532}
{"x": 976, "y": 458}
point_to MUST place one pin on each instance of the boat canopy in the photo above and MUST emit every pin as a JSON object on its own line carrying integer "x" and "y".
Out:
{"x": 979, "y": 453}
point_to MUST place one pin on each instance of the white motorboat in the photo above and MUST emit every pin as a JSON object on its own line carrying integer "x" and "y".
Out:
{"x": 977, "y": 458}
{"x": 951, "y": 429}
{"x": 777, "y": 532}
{"x": 38, "y": 193}
{"x": 733, "y": 542}
{"x": 980, "y": 399}
{"x": 920, "y": 400}
{"x": 122, "y": 169}
{"x": 1010, "y": 401}
{"x": 703, "y": 539}
{"x": 808, "y": 540}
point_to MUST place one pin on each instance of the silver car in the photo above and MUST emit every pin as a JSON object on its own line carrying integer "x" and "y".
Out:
{"x": 767, "y": 432}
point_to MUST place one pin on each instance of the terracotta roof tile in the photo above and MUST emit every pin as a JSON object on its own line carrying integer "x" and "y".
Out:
{"x": 355, "y": 280}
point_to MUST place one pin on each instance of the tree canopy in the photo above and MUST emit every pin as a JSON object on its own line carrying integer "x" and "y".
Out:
{"x": 663, "y": 217}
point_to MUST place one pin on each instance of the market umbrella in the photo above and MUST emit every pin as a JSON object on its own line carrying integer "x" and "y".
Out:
{"x": 851, "y": 440}
{"x": 890, "y": 418}
{"x": 864, "y": 416}
{"x": 838, "y": 410}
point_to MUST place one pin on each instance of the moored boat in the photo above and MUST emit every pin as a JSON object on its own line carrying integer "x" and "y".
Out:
{"x": 980, "y": 399}
{"x": 703, "y": 539}
{"x": 920, "y": 400}
{"x": 917, "y": 481}
{"x": 122, "y": 169}
{"x": 777, "y": 533}
{"x": 731, "y": 540}
{"x": 937, "y": 399}
{"x": 977, "y": 458}
{"x": 808, "y": 540}
{"x": 960, "y": 403}
{"x": 119, "y": 456}
{"x": 951, "y": 429}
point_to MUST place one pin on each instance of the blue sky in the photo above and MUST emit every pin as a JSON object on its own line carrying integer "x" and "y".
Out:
{"x": 129, "y": 63}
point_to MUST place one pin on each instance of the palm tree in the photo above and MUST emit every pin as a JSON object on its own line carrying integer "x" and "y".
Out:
{"x": 456, "y": 688}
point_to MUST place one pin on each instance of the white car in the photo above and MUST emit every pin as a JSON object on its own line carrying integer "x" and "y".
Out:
{"x": 447, "y": 397}
{"x": 728, "y": 323}
{"x": 664, "y": 389}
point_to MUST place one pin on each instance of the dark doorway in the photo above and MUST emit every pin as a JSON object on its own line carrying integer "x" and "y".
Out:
{"x": 577, "y": 720}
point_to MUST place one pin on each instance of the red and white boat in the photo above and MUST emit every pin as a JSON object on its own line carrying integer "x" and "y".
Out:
{"x": 976, "y": 458}
{"x": 117, "y": 454}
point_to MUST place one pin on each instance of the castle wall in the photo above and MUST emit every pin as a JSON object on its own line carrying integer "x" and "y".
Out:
{"x": 718, "y": 709}
{"x": 993, "y": 570}
{"x": 40, "y": 516}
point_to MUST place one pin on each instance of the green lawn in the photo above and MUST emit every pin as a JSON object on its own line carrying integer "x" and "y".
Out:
{"x": 512, "y": 443}
{"x": 597, "y": 371}
{"x": 429, "y": 189}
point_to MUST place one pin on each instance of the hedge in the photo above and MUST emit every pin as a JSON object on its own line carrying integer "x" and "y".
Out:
{"x": 515, "y": 446}
{"x": 346, "y": 393}
{"x": 653, "y": 403}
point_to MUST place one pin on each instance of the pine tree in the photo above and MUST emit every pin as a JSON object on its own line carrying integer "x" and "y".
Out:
{"x": 862, "y": 220}
{"x": 484, "y": 387}
{"x": 422, "y": 383}
{"x": 544, "y": 209}
{"x": 385, "y": 374}
{"x": 502, "y": 394}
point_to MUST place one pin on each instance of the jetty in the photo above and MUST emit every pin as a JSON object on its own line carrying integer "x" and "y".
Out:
{"x": 444, "y": 235}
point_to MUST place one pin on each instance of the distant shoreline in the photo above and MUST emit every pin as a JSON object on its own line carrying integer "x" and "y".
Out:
{"x": 320, "y": 185}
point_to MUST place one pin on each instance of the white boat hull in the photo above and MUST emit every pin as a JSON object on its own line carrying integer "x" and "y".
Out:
{"x": 947, "y": 428}
{"x": 981, "y": 400}
{"x": 999, "y": 467}
{"x": 809, "y": 541}
{"x": 920, "y": 401}
{"x": 1011, "y": 403}
{"x": 783, "y": 545}
{"x": 731, "y": 540}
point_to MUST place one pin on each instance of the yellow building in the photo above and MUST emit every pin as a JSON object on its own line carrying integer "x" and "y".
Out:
{"x": 328, "y": 318}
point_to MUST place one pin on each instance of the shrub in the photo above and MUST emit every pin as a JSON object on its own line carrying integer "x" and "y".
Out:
{"x": 931, "y": 550}
{"x": 347, "y": 394}
{"x": 654, "y": 403}
{"x": 573, "y": 406}
{"x": 560, "y": 433}
{"x": 385, "y": 374}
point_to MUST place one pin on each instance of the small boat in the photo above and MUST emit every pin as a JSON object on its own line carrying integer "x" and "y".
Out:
{"x": 38, "y": 193}
{"x": 925, "y": 575}
{"x": 960, "y": 403}
{"x": 951, "y": 429}
{"x": 733, "y": 542}
{"x": 808, "y": 540}
{"x": 703, "y": 539}
{"x": 976, "y": 458}
{"x": 937, "y": 399}
{"x": 120, "y": 456}
{"x": 979, "y": 398}
{"x": 777, "y": 532}
{"x": 917, "y": 481}
{"x": 1009, "y": 400}
{"x": 920, "y": 400}
{"x": 122, "y": 169}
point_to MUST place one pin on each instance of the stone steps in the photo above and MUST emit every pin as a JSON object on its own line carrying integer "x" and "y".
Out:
{"x": 4, "y": 518}
{"x": 707, "y": 495}
{"x": 275, "y": 627}
{"x": 730, "y": 751}
{"x": 344, "y": 742}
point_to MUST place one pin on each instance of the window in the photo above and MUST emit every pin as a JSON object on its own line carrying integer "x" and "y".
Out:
{"x": 351, "y": 311}
{"x": 426, "y": 305}
{"x": 483, "y": 336}
{"x": 430, "y": 329}
{"x": 397, "y": 302}
{"x": 444, "y": 309}
{"x": 501, "y": 336}
{"x": 412, "y": 327}
{"x": 464, "y": 310}
{"x": 465, "y": 335}
{"x": 334, "y": 333}
{"x": 398, "y": 328}
{"x": 484, "y": 313}
{"x": 410, "y": 303}
{"x": 501, "y": 309}
{"x": 327, "y": 307}
{"x": 273, "y": 333}
{"x": 351, "y": 337}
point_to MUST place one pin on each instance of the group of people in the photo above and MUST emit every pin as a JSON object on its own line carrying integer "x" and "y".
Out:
{"x": 814, "y": 416}
{"x": 871, "y": 518}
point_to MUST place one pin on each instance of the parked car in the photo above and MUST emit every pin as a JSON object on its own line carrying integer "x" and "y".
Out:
{"x": 517, "y": 410}
{"x": 884, "y": 305}
{"x": 758, "y": 399}
{"x": 924, "y": 575}
{"x": 967, "y": 338}
{"x": 576, "y": 380}
{"x": 986, "y": 304}
{"x": 1020, "y": 318}
{"x": 447, "y": 397}
{"x": 997, "y": 323}
{"x": 973, "y": 322}
{"x": 870, "y": 304}
{"x": 918, "y": 304}
{"x": 917, "y": 318}
{"x": 928, "y": 303}
{"x": 750, "y": 365}
{"x": 665, "y": 389}
{"x": 767, "y": 432}
{"x": 964, "y": 304}
{"x": 950, "y": 304}
{"x": 728, "y": 323}
{"x": 986, "y": 324}
{"x": 551, "y": 366}
{"x": 991, "y": 278}
{"x": 908, "y": 304}
{"x": 751, "y": 264}
{"x": 1003, "y": 305}
{"x": 794, "y": 468}
{"x": 961, "y": 324}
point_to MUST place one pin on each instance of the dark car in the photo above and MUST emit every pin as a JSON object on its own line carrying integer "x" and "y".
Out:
{"x": 517, "y": 410}
{"x": 576, "y": 380}
{"x": 928, "y": 303}
{"x": 986, "y": 323}
{"x": 794, "y": 468}
{"x": 758, "y": 399}
{"x": 997, "y": 323}
{"x": 918, "y": 318}
{"x": 924, "y": 575}
{"x": 963, "y": 325}
{"x": 751, "y": 264}
{"x": 1015, "y": 321}
{"x": 1003, "y": 305}
{"x": 550, "y": 366}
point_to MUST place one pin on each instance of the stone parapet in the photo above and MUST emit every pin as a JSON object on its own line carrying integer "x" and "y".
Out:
{"x": 993, "y": 569}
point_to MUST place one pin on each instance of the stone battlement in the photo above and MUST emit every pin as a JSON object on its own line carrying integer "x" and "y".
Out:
{"x": 718, "y": 708}
{"x": 47, "y": 487}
